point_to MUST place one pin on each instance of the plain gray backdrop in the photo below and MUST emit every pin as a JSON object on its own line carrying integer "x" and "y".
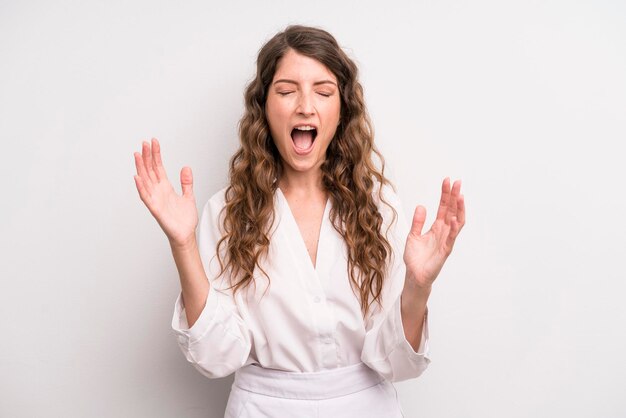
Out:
{"x": 525, "y": 101}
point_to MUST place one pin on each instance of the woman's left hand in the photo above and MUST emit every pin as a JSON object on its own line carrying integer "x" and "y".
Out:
{"x": 424, "y": 255}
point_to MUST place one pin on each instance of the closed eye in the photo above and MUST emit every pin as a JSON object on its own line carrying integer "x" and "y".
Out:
{"x": 284, "y": 93}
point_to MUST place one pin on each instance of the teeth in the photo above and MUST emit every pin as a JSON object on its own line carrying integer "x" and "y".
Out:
{"x": 304, "y": 128}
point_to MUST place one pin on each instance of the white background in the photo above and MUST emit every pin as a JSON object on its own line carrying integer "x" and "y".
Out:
{"x": 525, "y": 101}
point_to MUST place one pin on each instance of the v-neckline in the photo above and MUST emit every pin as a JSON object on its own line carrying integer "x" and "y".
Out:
{"x": 303, "y": 250}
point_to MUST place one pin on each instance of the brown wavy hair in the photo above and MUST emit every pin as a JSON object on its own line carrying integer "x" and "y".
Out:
{"x": 349, "y": 174}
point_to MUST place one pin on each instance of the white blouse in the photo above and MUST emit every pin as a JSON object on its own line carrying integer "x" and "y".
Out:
{"x": 308, "y": 319}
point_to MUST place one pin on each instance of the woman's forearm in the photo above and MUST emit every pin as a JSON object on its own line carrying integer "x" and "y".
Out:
{"x": 193, "y": 280}
{"x": 413, "y": 310}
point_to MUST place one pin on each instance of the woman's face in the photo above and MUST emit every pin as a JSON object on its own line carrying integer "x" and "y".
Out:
{"x": 303, "y": 110}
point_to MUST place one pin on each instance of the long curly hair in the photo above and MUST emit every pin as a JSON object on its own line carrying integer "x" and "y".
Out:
{"x": 350, "y": 175}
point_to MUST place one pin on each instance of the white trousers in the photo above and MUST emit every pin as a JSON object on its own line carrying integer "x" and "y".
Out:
{"x": 354, "y": 391}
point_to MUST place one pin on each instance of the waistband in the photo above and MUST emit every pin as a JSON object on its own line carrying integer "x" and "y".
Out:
{"x": 324, "y": 384}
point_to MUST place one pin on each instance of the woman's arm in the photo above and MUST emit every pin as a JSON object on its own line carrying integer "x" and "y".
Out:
{"x": 193, "y": 280}
{"x": 178, "y": 217}
{"x": 425, "y": 255}
{"x": 414, "y": 311}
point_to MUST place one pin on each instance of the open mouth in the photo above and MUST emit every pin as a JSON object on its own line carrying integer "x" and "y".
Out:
{"x": 303, "y": 137}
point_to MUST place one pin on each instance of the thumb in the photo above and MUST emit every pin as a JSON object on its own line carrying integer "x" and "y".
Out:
{"x": 418, "y": 220}
{"x": 186, "y": 181}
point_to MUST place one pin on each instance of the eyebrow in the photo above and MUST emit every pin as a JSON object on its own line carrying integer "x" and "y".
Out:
{"x": 284, "y": 80}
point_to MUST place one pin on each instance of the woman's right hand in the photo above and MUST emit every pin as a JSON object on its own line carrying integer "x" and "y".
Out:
{"x": 176, "y": 214}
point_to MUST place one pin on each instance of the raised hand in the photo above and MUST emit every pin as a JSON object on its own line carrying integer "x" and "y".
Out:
{"x": 424, "y": 255}
{"x": 176, "y": 214}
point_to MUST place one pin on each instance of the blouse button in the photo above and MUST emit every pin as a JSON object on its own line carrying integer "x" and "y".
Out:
{"x": 317, "y": 299}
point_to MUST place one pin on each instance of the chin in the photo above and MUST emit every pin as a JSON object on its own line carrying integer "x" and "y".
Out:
{"x": 304, "y": 166}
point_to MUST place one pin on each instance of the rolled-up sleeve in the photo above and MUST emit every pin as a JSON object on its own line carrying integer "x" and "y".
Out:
{"x": 219, "y": 341}
{"x": 386, "y": 348}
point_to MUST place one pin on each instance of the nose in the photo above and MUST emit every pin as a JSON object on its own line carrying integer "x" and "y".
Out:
{"x": 305, "y": 105}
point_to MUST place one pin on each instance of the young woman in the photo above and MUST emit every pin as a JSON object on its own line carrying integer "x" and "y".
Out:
{"x": 303, "y": 278}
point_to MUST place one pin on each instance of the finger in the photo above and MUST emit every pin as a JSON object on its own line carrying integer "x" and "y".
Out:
{"x": 141, "y": 172}
{"x": 451, "y": 212}
{"x": 147, "y": 161}
{"x": 453, "y": 200}
{"x": 419, "y": 217}
{"x": 445, "y": 197}
{"x": 456, "y": 223}
{"x": 460, "y": 212}
{"x": 186, "y": 181}
{"x": 455, "y": 227}
{"x": 157, "y": 161}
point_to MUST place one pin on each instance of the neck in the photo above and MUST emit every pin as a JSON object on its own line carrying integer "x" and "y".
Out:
{"x": 309, "y": 182}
